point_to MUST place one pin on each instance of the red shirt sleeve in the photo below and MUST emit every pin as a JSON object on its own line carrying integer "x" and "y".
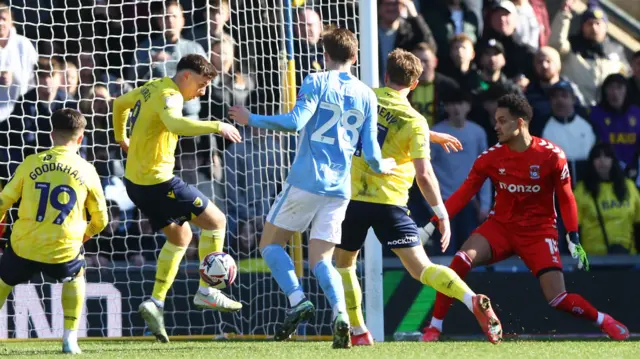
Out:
{"x": 566, "y": 199}
{"x": 468, "y": 190}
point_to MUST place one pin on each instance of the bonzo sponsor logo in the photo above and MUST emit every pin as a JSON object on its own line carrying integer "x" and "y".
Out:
{"x": 520, "y": 188}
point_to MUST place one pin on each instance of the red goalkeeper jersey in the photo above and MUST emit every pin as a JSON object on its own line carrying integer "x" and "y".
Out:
{"x": 525, "y": 184}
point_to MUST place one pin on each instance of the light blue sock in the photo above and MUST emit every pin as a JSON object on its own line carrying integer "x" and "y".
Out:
{"x": 331, "y": 283}
{"x": 283, "y": 271}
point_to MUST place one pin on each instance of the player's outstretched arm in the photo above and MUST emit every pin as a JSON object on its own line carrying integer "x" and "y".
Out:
{"x": 294, "y": 121}
{"x": 121, "y": 108}
{"x": 172, "y": 118}
{"x": 96, "y": 206}
{"x": 569, "y": 211}
{"x": 430, "y": 189}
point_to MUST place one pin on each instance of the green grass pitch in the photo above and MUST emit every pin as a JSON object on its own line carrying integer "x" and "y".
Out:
{"x": 322, "y": 350}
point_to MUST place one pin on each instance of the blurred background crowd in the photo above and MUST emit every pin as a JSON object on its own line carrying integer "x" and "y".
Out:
{"x": 583, "y": 86}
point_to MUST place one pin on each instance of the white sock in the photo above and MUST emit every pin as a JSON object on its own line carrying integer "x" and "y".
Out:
{"x": 339, "y": 308}
{"x": 436, "y": 323}
{"x": 468, "y": 300}
{"x": 205, "y": 290}
{"x": 296, "y": 297}
{"x": 359, "y": 329}
{"x": 70, "y": 335}
{"x": 600, "y": 318}
{"x": 158, "y": 303}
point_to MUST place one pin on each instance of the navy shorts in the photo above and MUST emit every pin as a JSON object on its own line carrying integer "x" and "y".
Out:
{"x": 169, "y": 202}
{"x": 15, "y": 269}
{"x": 391, "y": 224}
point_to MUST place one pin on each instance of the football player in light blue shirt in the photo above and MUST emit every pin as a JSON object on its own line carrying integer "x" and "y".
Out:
{"x": 336, "y": 115}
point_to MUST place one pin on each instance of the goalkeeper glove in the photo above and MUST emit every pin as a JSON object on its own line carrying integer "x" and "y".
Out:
{"x": 577, "y": 251}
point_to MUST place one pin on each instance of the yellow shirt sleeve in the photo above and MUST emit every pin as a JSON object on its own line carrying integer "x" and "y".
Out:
{"x": 419, "y": 140}
{"x": 96, "y": 205}
{"x": 172, "y": 118}
{"x": 635, "y": 197}
{"x": 579, "y": 195}
{"x": 121, "y": 108}
{"x": 12, "y": 191}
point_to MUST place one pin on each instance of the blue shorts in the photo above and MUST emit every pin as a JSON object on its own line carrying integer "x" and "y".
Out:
{"x": 15, "y": 269}
{"x": 391, "y": 224}
{"x": 169, "y": 202}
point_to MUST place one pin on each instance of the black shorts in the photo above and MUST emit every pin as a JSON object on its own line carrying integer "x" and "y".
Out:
{"x": 15, "y": 269}
{"x": 391, "y": 224}
{"x": 169, "y": 202}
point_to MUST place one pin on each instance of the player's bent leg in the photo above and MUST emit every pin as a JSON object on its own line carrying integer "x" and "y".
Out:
{"x": 475, "y": 251}
{"x": 5, "y": 290}
{"x": 73, "y": 293}
{"x": 553, "y": 287}
{"x": 213, "y": 224}
{"x": 346, "y": 266}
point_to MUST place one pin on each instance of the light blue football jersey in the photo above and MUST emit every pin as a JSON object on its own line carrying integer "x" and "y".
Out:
{"x": 335, "y": 113}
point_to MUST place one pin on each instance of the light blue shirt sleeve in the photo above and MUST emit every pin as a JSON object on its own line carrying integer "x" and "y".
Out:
{"x": 484, "y": 196}
{"x": 369, "y": 133}
{"x": 304, "y": 109}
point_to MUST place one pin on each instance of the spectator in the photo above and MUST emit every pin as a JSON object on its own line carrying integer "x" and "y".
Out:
{"x": 205, "y": 34}
{"x": 547, "y": 65}
{"x": 452, "y": 169}
{"x": 502, "y": 25}
{"x": 542, "y": 14}
{"x": 29, "y": 125}
{"x": 565, "y": 128}
{"x": 461, "y": 67}
{"x": 448, "y": 19}
{"x": 590, "y": 56}
{"x": 307, "y": 47}
{"x": 432, "y": 87}
{"x": 228, "y": 88}
{"x": 608, "y": 206}
{"x": 634, "y": 80}
{"x": 18, "y": 58}
{"x": 397, "y": 32}
{"x": 159, "y": 56}
{"x": 616, "y": 119}
{"x": 485, "y": 110}
{"x": 71, "y": 81}
{"x": 491, "y": 64}
{"x": 528, "y": 30}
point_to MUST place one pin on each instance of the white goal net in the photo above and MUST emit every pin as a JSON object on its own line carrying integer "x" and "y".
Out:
{"x": 88, "y": 52}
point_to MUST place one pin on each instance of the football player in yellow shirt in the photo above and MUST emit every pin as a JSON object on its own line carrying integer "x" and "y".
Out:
{"x": 55, "y": 188}
{"x": 379, "y": 201}
{"x": 155, "y": 113}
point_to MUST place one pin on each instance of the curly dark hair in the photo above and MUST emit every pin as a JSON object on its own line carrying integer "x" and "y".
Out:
{"x": 517, "y": 105}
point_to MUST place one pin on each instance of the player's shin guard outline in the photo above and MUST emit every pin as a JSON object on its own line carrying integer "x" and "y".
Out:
{"x": 331, "y": 283}
{"x": 73, "y": 293}
{"x": 210, "y": 241}
{"x": 352, "y": 296}
{"x": 167, "y": 269}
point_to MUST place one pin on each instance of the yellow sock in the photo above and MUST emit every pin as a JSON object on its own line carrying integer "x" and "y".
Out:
{"x": 5, "y": 290}
{"x": 167, "y": 268}
{"x": 210, "y": 241}
{"x": 72, "y": 302}
{"x": 446, "y": 281}
{"x": 353, "y": 296}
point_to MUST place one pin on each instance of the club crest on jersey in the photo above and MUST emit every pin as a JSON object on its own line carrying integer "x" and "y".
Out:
{"x": 534, "y": 171}
{"x": 502, "y": 171}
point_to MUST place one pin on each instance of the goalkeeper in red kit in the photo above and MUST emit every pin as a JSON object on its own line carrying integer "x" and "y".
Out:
{"x": 526, "y": 172}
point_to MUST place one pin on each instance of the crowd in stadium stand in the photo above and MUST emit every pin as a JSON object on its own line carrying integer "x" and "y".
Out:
{"x": 582, "y": 85}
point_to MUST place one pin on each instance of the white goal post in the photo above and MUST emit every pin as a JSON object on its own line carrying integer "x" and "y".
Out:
{"x": 111, "y": 46}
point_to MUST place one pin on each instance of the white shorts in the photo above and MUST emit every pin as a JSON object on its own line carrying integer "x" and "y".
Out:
{"x": 295, "y": 209}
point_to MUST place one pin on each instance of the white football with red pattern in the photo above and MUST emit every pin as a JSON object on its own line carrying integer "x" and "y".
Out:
{"x": 218, "y": 269}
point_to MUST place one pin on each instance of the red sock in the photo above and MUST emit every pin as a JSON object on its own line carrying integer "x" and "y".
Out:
{"x": 461, "y": 264}
{"x": 575, "y": 305}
